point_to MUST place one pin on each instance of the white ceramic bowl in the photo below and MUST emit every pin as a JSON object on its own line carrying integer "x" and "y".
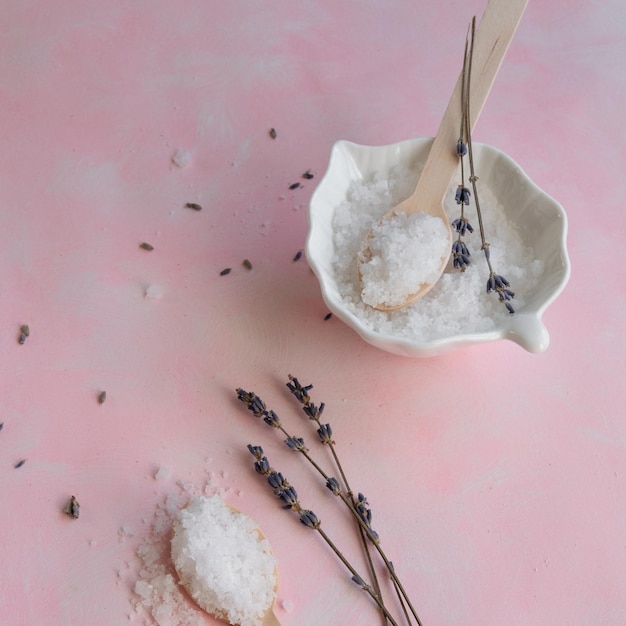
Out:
{"x": 540, "y": 220}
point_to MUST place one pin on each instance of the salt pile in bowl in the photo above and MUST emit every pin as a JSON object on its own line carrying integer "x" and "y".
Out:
{"x": 403, "y": 252}
{"x": 223, "y": 562}
{"x": 458, "y": 304}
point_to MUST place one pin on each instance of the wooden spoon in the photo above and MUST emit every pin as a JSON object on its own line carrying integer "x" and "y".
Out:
{"x": 269, "y": 619}
{"x": 492, "y": 39}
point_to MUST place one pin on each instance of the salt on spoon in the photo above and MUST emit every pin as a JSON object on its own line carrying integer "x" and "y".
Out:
{"x": 225, "y": 562}
{"x": 385, "y": 250}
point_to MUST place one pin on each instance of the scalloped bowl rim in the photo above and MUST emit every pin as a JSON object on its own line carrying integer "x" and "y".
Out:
{"x": 350, "y": 161}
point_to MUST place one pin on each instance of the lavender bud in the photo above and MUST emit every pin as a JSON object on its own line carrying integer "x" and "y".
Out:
{"x": 461, "y": 148}
{"x": 325, "y": 434}
{"x": 509, "y": 307}
{"x": 333, "y": 485}
{"x": 296, "y": 443}
{"x": 255, "y": 451}
{"x": 289, "y": 497}
{"x": 272, "y": 419}
{"x": 277, "y": 481}
{"x": 309, "y": 519}
{"x": 262, "y": 466}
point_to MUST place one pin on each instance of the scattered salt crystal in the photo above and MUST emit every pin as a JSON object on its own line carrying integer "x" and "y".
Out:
{"x": 157, "y": 586}
{"x": 182, "y": 158}
{"x": 226, "y": 567}
{"x": 287, "y": 606}
{"x": 161, "y": 473}
{"x": 403, "y": 252}
{"x": 457, "y": 304}
{"x": 152, "y": 292}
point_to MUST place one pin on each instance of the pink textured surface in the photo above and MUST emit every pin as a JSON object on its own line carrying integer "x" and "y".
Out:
{"x": 496, "y": 477}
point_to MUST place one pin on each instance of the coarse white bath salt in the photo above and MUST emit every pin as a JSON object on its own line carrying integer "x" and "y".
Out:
{"x": 223, "y": 562}
{"x": 403, "y": 252}
{"x": 458, "y": 303}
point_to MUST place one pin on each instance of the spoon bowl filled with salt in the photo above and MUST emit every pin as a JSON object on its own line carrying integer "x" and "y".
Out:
{"x": 225, "y": 563}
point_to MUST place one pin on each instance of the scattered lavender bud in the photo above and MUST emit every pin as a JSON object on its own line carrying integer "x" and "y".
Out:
{"x": 19, "y": 463}
{"x": 247, "y": 264}
{"x": 225, "y": 271}
{"x": 294, "y": 186}
{"x": 193, "y": 205}
{"x": 102, "y": 397}
{"x": 1, "y": 425}
{"x": 72, "y": 508}
{"x": 146, "y": 246}
{"x": 273, "y": 133}
{"x": 308, "y": 175}
{"x": 25, "y": 329}
{"x": 327, "y": 316}
{"x": 21, "y": 339}
{"x": 298, "y": 255}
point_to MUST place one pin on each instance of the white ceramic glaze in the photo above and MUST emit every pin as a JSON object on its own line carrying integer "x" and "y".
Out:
{"x": 540, "y": 219}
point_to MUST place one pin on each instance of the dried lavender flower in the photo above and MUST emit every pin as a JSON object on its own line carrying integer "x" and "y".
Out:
{"x": 146, "y": 246}
{"x": 102, "y": 396}
{"x": 72, "y": 508}
{"x": 461, "y": 225}
{"x": 333, "y": 485}
{"x": 225, "y": 271}
{"x": 294, "y": 186}
{"x": 298, "y": 256}
{"x": 296, "y": 443}
{"x": 462, "y": 195}
{"x": 255, "y": 451}
{"x": 309, "y": 519}
{"x": 19, "y": 463}
{"x": 193, "y": 205}
{"x": 325, "y": 433}
{"x": 290, "y": 498}
{"x": 308, "y": 175}
{"x": 272, "y": 419}
{"x": 273, "y": 134}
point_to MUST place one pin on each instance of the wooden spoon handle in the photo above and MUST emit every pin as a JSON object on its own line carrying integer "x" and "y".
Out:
{"x": 492, "y": 39}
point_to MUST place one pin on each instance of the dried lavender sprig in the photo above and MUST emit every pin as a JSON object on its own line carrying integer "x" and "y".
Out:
{"x": 288, "y": 495}
{"x": 358, "y": 507}
{"x": 314, "y": 413}
{"x": 495, "y": 282}
{"x": 259, "y": 409}
{"x": 325, "y": 434}
{"x": 460, "y": 253}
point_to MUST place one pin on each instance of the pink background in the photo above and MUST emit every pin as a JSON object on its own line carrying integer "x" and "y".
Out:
{"x": 496, "y": 477}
